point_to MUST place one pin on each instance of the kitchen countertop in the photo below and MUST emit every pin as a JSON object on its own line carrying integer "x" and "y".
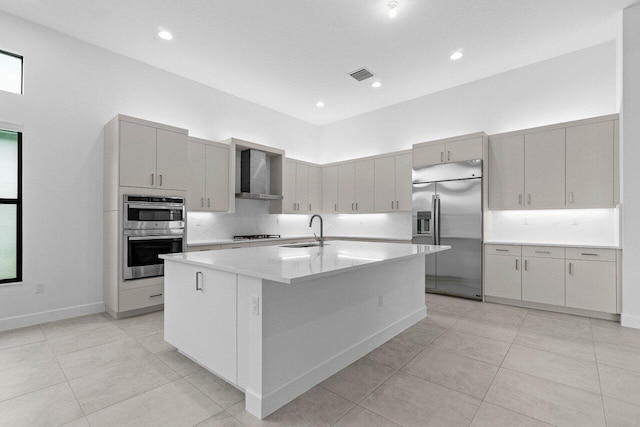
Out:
{"x": 277, "y": 239}
{"x": 292, "y": 265}
{"x": 562, "y": 245}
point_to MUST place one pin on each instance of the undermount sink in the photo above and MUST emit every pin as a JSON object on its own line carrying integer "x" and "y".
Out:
{"x": 303, "y": 245}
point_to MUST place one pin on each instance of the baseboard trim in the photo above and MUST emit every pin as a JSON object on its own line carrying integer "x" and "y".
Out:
{"x": 263, "y": 406}
{"x": 630, "y": 320}
{"x": 554, "y": 308}
{"x": 49, "y": 316}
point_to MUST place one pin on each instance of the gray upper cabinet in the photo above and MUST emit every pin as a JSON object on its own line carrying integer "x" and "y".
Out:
{"x": 590, "y": 165}
{"x": 447, "y": 151}
{"x": 506, "y": 172}
{"x": 570, "y": 166}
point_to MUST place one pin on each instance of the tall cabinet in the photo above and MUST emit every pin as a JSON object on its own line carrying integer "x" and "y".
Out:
{"x": 140, "y": 158}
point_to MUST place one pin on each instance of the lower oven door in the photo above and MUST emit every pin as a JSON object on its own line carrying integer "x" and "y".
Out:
{"x": 141, "y": 250}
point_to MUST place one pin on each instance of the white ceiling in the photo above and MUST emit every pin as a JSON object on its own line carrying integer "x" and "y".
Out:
{"x": 288, "y": 54}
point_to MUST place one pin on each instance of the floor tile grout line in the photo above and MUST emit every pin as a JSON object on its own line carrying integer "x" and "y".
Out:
{"x": 604, "y": 413}
{"x": 67, "y": 381}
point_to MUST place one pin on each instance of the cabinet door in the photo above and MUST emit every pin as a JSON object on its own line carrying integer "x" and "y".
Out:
{"x": 426, "y": 155}
{"x": 365, "y": 171}
{"x": 218, "y": 188}
{"x": 544, "y": 169}
{"x": 289, "y": 202}
{"x": 590, "y": 168}
{"x": 137, "y": 155}
{"x": 502, "y": 276}
{"x": 330, "y": 189}
{"x": 197, "y": 176}
{"x": 347, "y": 188}
{"x": 172, "y": 160}
{"x": 302, "y": 188}
{"x": 506, "y": 173}
{"x": 403, "y": 183}
{"x": 385, "y": 184}
{"x": 543, "y": 280}
{"x": 591, "y": 285}
{"x": 467, "y": 149}
{"x": 315, "y": 189}
{"x": 218, "y": 310}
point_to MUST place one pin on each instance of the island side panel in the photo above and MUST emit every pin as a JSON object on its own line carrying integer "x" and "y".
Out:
{"x": 315, "y": 328}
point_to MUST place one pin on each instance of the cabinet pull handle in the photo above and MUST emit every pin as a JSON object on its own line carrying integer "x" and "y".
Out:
{"x": 397, "y": 204}
{"x": 516, "y": 264}
{"x": 588, "y": 254}
{"x": 198, "y": 280}
{"x": 356, "y": 205}
{"x": 392, "y": 204}
{"x": 543, "y": 252}
{"x": 309, "y": 207}
{"x": 154, "y": 296}
{"x": 529, "y": 198}
{"x": 335, "y": 207}
{"x": 448, "y": 156}
{"x": 151, "y": 179}
{"x": 570, "y": 268}
{"x": 208, "y": 202}
{"x": 519, "y": 199}
{"x": 442, "y": 156}
{"x": 502, "y": 250}
{"x": 570, "y": 196}
{"x": 202, "y": 202}
{"x": 160, "y": 180}
{"x": 526, "y": 265}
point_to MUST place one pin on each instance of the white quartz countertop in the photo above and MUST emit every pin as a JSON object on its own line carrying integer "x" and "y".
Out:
{"x": 292, "y": 265}
{"x": 562, "y": 245}
{"x": 212, "y": 242}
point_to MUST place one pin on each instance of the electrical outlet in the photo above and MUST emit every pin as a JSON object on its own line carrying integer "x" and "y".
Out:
{"x": 380, "y": 301}
{"x": 39, "y": 288}
{"x": 254, "y": 305}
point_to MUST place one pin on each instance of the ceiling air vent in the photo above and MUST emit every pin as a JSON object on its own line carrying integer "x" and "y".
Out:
{"x": 361, "y": 74}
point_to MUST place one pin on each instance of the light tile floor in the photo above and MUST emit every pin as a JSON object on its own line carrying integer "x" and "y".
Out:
{"x": 466, "y": 364}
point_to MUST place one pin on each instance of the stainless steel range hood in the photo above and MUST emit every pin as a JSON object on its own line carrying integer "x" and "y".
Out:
{"x": 254, "y": 176}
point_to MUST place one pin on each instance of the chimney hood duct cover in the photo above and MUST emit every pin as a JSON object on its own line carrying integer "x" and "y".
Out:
{"x": 254, "y": 176}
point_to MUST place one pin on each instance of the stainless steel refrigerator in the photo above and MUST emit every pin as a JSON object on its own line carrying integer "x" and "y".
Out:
{"x": 447, "y": 210}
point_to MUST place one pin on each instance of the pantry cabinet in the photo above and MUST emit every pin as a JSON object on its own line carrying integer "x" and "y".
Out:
{"x": 447, "y": 151}
{"x": 392, "y": 183}
{"x": 209, "y": 187}
{"x": 152, "y": 157}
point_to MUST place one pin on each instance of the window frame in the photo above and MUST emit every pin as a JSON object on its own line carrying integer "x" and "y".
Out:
{"x": 18, "y": 203}
{"x": 21, "y": 58}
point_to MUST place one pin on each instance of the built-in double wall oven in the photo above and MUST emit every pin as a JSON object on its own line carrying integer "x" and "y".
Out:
{"x": 151, "y": 226}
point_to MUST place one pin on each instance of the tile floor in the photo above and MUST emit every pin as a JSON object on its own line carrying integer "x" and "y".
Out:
{"x": 466, "y": 364}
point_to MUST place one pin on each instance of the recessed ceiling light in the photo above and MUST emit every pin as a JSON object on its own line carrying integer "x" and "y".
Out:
{"x": 456, "y": 55}
{"x": 165, "y": 35}
{"x": 393, "y": 8}
{"x": 376, "y": 84}
{"x": 320, "y": 104}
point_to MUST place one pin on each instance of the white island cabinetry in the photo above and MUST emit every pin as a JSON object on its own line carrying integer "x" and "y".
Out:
{"x": 275, "y": 321}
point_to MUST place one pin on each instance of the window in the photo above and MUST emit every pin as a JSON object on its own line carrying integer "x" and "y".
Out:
{"x": 10, "y": 72}
{"x": 10, "y": 206}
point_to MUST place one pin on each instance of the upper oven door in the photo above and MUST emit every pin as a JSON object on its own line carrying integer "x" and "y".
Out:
{"x": 142, "y": 216}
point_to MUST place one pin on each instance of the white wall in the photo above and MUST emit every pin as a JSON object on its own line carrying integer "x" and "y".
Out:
{"x": 630, "y": 174}
{"x": 71, "y": 89}
{"x": 574, "y": 86}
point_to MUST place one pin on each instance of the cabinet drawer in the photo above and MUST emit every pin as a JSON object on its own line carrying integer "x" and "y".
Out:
{"x": 591, "y": 254}
{"x": 542, "y": 252}
{"x": 132, "y": 299}
{"x": 502, "y": 250}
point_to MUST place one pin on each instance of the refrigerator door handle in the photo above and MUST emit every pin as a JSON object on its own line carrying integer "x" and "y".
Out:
{"x": 436, "y": 219}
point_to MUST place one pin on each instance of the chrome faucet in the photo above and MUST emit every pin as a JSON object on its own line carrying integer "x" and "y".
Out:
{"x": 321, "y": 229}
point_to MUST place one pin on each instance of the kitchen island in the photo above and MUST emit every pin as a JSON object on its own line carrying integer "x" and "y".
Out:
{"x": 275, "y": 321}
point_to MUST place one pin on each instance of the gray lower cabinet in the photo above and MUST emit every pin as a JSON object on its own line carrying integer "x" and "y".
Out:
{"x": 503, "y": 277}
{"x": 591, "y": 285}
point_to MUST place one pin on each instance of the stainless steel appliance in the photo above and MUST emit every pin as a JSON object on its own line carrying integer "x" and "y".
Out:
{"x": 152, "y": 225}
{"x": 447, "y": 210}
